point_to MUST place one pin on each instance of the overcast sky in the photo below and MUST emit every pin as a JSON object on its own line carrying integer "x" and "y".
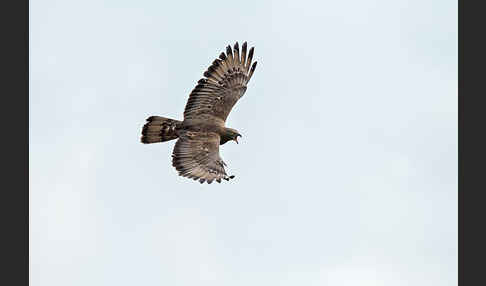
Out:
{"x": 346, "y": 173}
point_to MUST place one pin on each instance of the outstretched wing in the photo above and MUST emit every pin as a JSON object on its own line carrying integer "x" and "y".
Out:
{"x": 223, "y": 84}
{"x": 196, "y": 156}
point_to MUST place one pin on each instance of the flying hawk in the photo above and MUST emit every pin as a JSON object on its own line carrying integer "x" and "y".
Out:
{"x": 196, "y": 152}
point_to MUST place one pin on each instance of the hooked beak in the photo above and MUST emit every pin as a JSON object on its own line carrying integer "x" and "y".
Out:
{"x": 236, "y": 138}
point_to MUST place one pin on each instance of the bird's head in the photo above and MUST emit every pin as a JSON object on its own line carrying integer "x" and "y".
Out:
{"x": 232, "y": 134}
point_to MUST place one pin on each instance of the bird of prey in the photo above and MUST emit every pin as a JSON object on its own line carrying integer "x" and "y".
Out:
{"x": 196, "y": 152}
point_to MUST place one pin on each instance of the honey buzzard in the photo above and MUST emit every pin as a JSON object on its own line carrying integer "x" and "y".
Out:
{"x": 196, "y": 152}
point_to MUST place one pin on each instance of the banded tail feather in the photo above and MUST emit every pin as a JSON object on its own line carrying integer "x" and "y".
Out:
{"x": 159, "y": 129}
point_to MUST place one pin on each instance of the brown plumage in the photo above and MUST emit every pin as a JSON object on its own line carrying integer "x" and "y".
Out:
{"x": 159, "y": 129}
{"x": 196, "y": 152}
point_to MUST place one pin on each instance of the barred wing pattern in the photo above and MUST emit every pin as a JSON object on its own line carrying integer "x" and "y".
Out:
{"x": 225, "y": 82}
{"x": 196, "y": 156}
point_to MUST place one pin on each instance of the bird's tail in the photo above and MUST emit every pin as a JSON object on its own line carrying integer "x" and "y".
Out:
{"x": 159, "y": 129}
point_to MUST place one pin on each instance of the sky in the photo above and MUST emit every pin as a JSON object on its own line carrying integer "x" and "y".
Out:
{"x": 346, "y": 173}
